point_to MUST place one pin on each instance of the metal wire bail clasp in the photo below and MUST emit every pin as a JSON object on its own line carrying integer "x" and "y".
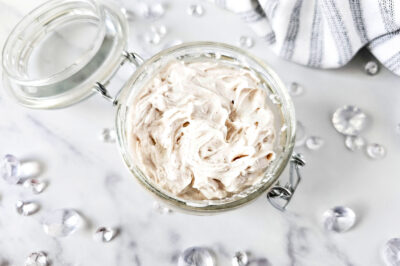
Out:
{"x": 280, "y": 196}
{"x": 133, "y": 58}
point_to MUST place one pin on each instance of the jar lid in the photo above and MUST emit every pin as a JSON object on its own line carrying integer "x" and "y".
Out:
{"x": 57, "y": 54}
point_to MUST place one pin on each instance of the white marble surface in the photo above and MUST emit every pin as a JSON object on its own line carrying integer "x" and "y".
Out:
{"x": 88, "y": 175}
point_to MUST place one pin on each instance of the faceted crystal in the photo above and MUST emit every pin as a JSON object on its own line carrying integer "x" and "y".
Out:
{"x": 339, "y": 219}
{"x": 196, "y": 256}
{"x": 62, "y": 222}
{"x": 108, "y": 135}
{"x": 161, "y": 208}
{"x": 314, "y": 143}
{"x": 354, "y": 143}
{"x": 371, "y": 68}
{"x": 37, "y": 186}
{"x": 10, "y": 169}
{"x": 159, "y": 29}
{"x": 375, "y": 151}
{"x": 152, "y": 11}
{"x": 240, "y": 259}
{"x": 295, "y": 89}
{"x": 26, "y": 208}
{"x": 391, "y": 252}
{"x": 300, "y": 134}
{"x": 196, "y": 10}
{"x": 349, "y": 120}
{"x": 105, "y": 234}
{"x": 246, "y": 42}
{"x": 37, "y": 259}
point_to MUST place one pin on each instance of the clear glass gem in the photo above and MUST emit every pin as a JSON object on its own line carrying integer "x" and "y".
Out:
{"x": 371, "y": 68}
{"x": 295, "y": 89}
{"x": 196, "y": 10}
{"x": 314, "y": 143}
{"x": 375, "y": 151}
{"x": 159, "y": 29}
{"x": 108, "y": 135}
{"x": 354, "y": 143}
{"x": 349, "y": 120}
{"x": 339, "y": 219}
{"x": 300, "y": 134}
{"x": 37, "y": 186}
{"x": 105, "y": 234}
{"x": 62, "y": 222}
{"x": 152, "y": 11}
{"x": 158, "y": 207}
{"x": 391, "y": 252}
{"x": 10, "y": 169}
{"x": 26, "y": 208}
{"x": 37, "y": 259}
{"x": 196, "y": 256}
{"x": 246, "y": 42}
{"x": 240, "y": 259}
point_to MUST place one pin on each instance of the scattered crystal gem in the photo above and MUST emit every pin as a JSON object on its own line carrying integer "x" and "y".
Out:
{"x": 37, "y": 259}
{"x": 10, "y": 169}
{"x": 349, "y": 120}
{"x": 398, "y": 128}
{"x": 354, "y": 143}
{"x": 196, "y": 256}
{"x": 26, "y": 208}
{"x": 159, "y": 29}
{"x": 295, "y": 89}
{"x": 246, "y": 42}
{"x": 105, "y": 234}
{"x": 37, "y": 186}
{"x": 339, "y": 219}
{"x": 391, "y": 252}
{"x": 371, "y": 68}
{"x": 152, "y": 11}
{"x": 108, "y": 135}
{"x": 375, "y": 151}
{"x": 62, "y": 222}
{"x": 161, "y": 208}
{"x": 300, "y": 134}
{"x": 196, "y": 10}
{"x": 240, "y": 259}
{"x": 314, "y": 143}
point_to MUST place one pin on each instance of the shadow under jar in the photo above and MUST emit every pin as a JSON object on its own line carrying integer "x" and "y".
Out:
{"x": 80, "y": 76}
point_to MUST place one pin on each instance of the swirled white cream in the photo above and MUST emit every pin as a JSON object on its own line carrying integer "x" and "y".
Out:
{"x": 202, "y": 129}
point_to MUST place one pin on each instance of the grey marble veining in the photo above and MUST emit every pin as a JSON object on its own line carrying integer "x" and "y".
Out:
{"x": 89, "y": 176}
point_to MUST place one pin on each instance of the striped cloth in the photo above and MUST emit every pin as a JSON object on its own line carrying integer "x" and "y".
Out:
{"x": 324, "y": 33}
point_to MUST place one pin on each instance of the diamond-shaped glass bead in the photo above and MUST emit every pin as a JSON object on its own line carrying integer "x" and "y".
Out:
{"x": 62, "y": 222}
{"x": 349, "y": 120}
{"x": 37, "y": 259}
{"x": 339, "y": 219}
{"x": 196, "y": 256}
{"x": 26, "y": 208}
{"x": 105, "y": 234}
{"x": 10, "y": 168}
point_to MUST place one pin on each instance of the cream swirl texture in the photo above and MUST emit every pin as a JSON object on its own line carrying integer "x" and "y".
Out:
{"x": 202, "y": 129}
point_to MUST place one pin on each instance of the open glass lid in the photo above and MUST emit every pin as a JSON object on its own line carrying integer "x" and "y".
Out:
{"x": 57, "y": 53}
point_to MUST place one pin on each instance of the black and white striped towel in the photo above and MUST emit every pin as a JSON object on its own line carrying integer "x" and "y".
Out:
{"x": 324, "y": 33}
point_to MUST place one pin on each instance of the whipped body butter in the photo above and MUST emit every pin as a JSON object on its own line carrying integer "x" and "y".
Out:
{"x": 202, "y": 129}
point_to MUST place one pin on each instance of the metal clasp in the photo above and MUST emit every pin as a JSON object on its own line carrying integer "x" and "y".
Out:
{"x": 280, "y": 196}
{"x": 133, "y": 58}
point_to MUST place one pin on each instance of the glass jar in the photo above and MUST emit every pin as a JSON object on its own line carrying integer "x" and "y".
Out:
{"x": 96, "y": 66}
